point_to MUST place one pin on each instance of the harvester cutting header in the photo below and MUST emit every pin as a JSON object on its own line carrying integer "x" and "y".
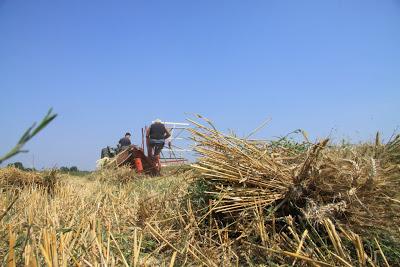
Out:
{"x": 154, "y": 138}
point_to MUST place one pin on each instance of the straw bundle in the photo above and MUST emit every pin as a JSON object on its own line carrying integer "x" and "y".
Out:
{"x": 245, "y": 174}
{"x": 342, "y": 183}
{"x": 101, "y": 163}
{"x": 12, "y": 177}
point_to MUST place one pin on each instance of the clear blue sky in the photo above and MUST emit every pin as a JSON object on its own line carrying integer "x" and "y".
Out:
{"x": 107, "y": 67}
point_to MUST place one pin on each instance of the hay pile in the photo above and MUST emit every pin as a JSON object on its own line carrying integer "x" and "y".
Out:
{"x": 12, "y": 177}
{"x": 101, "y": 163}
{"x": 353, "y": 185}
{"x": 120, "y": 175}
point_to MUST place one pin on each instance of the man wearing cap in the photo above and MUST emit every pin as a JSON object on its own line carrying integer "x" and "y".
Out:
{"x": 157, "y": 133}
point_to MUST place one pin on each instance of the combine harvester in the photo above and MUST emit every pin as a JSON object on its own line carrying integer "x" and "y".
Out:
{"x": 174, "y": 152}
{"x": 137, "y": 158}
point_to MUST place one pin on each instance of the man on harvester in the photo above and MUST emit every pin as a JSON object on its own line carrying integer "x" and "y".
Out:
{"x": 124, "y": 142}
{"x": 156, "y": 135}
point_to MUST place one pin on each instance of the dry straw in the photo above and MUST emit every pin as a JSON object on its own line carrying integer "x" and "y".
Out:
{"x": 270, "y": 204}
{"x": 350, "y": 184}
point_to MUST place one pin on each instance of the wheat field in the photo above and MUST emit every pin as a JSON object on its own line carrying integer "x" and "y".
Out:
{"x": 280, "y": 203}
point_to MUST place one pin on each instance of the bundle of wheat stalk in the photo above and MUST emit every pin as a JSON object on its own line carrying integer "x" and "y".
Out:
{"x": 246, "y": 175}
{"x": 14, "y": 177}
{"x": 345, "y": 183}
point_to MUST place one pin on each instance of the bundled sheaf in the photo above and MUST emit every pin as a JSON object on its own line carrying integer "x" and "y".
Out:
{"x": 12, "y": 177}
{"x": 350, "y": 184}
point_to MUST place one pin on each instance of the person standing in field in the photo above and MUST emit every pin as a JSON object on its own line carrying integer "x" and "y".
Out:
{"x": 156, "y": 134}
{"x": 125, "y": 141}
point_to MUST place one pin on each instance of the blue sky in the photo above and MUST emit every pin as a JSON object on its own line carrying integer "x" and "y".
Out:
{"x": 106, "y": 67}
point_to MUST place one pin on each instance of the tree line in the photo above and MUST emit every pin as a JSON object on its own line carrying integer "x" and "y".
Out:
{"x": 20, "y": 166}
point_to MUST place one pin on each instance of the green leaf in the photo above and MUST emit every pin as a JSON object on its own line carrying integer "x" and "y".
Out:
{"x": 29, "y": 134}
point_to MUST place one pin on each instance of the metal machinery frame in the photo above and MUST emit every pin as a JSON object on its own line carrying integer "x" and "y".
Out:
{"x": 173, "y": 152}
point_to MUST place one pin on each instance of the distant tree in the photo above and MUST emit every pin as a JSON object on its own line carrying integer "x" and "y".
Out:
{"x": 17, "y": 165}
{"x": 64, "y": 169}
{"x": 73, "y": 169}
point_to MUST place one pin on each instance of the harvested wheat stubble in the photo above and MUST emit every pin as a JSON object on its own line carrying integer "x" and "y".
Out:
{"x": 271, "y": 205}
